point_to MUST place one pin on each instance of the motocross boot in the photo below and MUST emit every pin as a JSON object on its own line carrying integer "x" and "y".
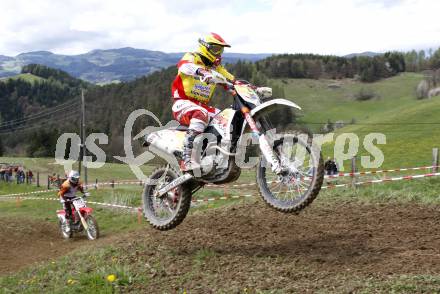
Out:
{"x": 68, "y": 225}
{"x": 189, "y": 163}
{"x": 68, "y": 216}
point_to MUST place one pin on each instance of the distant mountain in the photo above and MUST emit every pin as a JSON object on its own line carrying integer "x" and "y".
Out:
{"x": 106, "y": 66}
{"x": 366, "y": 53}
{"x": 5, "y": 58}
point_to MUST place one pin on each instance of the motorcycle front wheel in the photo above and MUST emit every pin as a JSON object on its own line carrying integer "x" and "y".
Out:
{"x": 300, "y": 184}
{"x": 92, "y": 231}
{"x": 67, "y": 234}
{"x": 169, "y": 210}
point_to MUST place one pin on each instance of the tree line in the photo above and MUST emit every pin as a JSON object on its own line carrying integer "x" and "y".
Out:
{"x": 22, "y": 129}
{"x": 312, "y": 66}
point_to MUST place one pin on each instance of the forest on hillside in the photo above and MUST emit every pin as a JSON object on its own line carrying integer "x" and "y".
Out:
{"x": 56, "y": 95}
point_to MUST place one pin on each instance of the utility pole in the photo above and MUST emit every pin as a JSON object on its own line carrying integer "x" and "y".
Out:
{"x": 80, "y": 135}
{"x": 83, "y": 137}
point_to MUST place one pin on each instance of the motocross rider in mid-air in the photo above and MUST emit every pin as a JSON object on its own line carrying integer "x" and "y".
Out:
{"x": 193, "y": 88}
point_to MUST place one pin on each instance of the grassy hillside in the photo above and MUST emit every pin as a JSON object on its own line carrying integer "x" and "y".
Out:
{"x": 26, "y": 77}
{"x": 410, "y": 125}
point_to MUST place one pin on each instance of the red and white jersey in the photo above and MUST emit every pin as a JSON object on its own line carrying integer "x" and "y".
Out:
{"x": 68, "y": 190}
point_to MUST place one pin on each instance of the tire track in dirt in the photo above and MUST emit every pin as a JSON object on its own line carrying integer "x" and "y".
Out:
{"x": 368, "y": 238}
{"x": 250, "y": 244}
{"x": 25, "y": 241}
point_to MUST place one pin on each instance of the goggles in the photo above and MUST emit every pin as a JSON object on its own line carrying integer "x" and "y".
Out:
{"x": 215, "y": 49}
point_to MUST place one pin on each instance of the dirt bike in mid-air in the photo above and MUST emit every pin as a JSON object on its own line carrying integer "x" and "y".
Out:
{"x": 289, "y": 171}
{"x": 82, "y": 220}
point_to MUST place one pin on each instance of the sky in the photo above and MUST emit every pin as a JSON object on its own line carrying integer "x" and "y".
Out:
{"x": 259, "y": 26}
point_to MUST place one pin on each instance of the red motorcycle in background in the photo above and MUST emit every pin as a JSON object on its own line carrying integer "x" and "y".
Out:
{"x": 82, "y": 220}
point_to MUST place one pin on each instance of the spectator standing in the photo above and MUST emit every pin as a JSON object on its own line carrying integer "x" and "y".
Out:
{"x": 9, "y": 174}
{"x": 18, "y": 171}
{"x": 21, "y": 176}
{"x": 328, "y": 166}
{"x": 30, "y": 176}
{"x": 335, "y": 168}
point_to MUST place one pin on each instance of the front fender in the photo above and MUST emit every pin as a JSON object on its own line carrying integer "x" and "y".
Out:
{"x": 86, "y": 210}
{"x": 267, "y": 107}
{"x": 271, "y": 105}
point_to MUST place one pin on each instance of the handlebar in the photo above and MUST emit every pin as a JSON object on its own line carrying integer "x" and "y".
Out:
{"x": 229, "y": 85}
{"x": 76, "y": 197}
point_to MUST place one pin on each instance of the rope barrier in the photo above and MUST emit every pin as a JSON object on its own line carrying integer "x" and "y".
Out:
{"x": 233, "y": 196}
{"x": 410, "y": 177}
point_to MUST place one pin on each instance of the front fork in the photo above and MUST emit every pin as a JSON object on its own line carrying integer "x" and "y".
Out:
{"x": 265, "y": 147}
{"x": 83, "y": 221}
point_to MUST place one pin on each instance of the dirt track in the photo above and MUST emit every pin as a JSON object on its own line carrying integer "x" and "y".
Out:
{"x": 386, "y": 238}
{"x": 24, "y": 242}
{"x": 254, "y": 245}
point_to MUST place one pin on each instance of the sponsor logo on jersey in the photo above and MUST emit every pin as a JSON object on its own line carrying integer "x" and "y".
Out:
{"x": 201, "y": 92}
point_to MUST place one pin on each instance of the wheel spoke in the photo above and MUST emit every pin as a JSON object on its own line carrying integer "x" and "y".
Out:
{"x": 299, "y": 160}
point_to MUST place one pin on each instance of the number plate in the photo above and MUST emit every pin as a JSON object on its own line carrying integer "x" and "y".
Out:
{"x": 79, "y": 203}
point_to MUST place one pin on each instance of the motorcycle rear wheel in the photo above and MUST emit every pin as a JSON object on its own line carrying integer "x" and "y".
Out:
{"x": 177, "y": 202}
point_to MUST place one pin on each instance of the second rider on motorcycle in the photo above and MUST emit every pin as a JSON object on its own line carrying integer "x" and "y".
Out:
{"x": 68, "y": 191}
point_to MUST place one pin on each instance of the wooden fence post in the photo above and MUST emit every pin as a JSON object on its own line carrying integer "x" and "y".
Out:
{"x": 353, "y": 171}
{"x": 139, "y": 215}
{"x": 96, "y": 184}
{"x": 48, "y": 182}
{"x": 38, "y": 179}
{"x": 113, "y": 184}
{"x": 435, "y": 160}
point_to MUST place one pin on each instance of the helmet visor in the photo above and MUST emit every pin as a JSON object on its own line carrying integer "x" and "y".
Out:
{"x": 74, "y": 180}
{"x": 215, "y": 49}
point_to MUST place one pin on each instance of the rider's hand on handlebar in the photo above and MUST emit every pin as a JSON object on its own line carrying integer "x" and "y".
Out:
{"x": 264, "y": 92}
{"x": 205, "y": 76}
{"x": 213, "y": 77}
